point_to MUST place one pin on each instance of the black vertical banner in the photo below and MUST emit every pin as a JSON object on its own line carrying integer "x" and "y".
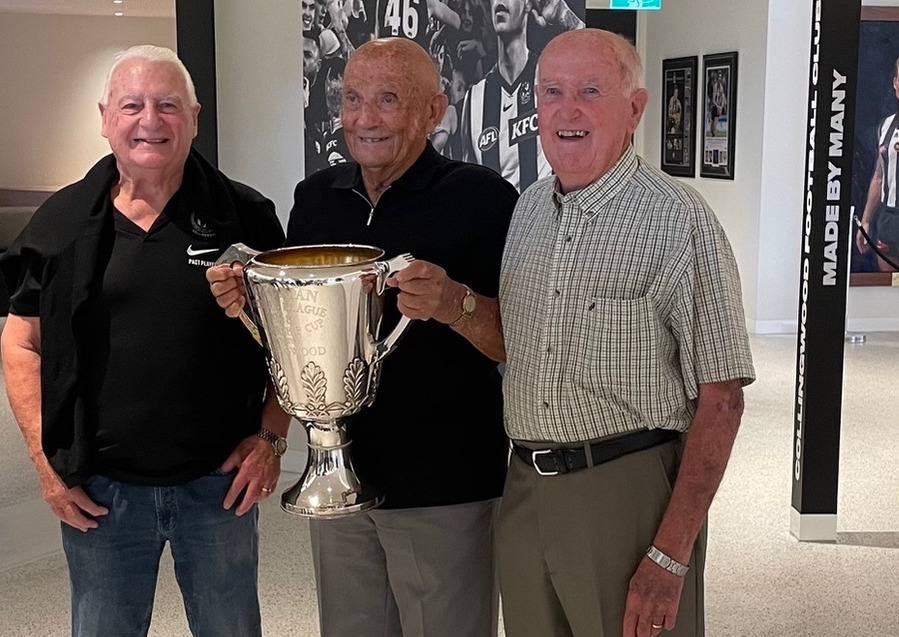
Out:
{"x": 195, "y": 33}
{"x": 824, "y": 267}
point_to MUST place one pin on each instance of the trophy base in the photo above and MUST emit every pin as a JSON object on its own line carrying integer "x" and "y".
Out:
{"x": 329, "y": 487}
{"x": 328, "y": 512}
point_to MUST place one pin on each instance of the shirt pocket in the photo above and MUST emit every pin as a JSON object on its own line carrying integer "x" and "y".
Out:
{"x": 631, "y": 362}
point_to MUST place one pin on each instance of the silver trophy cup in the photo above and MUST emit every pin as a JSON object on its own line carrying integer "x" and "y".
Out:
{"x": 316, "y": 310}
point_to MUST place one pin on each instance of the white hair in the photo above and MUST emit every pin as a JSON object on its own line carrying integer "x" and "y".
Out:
{"x": 631, "y": 66}
{"x": 151, "y": 53}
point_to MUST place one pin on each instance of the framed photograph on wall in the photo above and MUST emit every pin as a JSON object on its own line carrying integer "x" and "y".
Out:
{"x": 719, "y": 115}
{"x": 678, "y": 116}
{"x": 876, "y": 151}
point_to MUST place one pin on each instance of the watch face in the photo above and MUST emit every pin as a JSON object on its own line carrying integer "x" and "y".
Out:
{"x": 469, "y": 303}
{"x": 280, "y": 446}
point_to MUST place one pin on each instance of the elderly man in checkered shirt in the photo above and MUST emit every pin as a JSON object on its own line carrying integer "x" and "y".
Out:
{"x": 624, "y": 335}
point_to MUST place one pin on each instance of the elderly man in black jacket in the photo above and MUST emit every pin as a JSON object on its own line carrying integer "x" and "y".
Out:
{"x": 112, "y": 350}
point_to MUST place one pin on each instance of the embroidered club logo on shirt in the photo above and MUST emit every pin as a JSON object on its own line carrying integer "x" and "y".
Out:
{"x": 199, "y": 228}
{"x": 524, "y": 93}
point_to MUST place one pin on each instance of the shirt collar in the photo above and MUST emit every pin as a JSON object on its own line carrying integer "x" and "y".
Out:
{"x": 597, "y": 194}
{"x": 417, "y": 177}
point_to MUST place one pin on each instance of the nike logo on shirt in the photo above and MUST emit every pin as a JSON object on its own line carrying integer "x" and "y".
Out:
{"x": 192, "y": 253}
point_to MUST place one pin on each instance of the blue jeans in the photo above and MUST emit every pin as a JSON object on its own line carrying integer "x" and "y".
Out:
{"x": 113, "y": 568}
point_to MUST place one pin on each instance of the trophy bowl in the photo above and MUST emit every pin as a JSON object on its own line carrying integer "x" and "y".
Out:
{"x": 316, "y": 310}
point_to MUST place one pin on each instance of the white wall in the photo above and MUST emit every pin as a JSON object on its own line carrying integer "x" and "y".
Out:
{"x": 259, "y": 70}
{"x": 783, "y": 168}
{"x": 51, "y": 77}
{"x": 704, "y": 27}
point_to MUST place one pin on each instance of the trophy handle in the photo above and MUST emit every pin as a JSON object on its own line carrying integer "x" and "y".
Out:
{"x": 242, "y": 253}
{"x": 395, "y": 264}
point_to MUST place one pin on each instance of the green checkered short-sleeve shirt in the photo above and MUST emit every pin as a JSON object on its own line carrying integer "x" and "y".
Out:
{"x": 617, "y": 302}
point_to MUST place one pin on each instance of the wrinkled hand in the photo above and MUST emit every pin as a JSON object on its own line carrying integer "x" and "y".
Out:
{"x": 426, "y": 292}
{"x": 860, "y": 242}
{"x": 70, "y": 504}
{"x": 653, "y": 598}
{"x": 258, "y": 472}
{"x": 227, "y": 286}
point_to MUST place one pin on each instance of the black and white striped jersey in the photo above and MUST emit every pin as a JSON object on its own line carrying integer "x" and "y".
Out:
{"x": 499, "y": 127}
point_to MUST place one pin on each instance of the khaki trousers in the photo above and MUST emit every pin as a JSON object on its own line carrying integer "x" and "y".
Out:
{"x": 567, "y": 546}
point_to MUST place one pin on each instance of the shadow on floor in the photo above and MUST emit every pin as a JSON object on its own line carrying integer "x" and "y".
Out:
{"x": 875, "y": 539}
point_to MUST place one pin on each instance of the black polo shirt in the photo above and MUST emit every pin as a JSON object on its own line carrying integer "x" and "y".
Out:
{"x": 161, "y": 356}
{"x": 207, "y": 376}
{"x": 434, "y": 435}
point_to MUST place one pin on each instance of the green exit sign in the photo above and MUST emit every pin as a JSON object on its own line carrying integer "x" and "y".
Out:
{"x": 636, "y": 4}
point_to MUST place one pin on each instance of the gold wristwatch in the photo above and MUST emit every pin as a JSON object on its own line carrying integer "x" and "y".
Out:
{"x": 469, "y": 304}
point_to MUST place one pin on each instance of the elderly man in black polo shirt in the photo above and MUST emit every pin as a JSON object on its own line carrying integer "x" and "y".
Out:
{"x": 433, "y": 442}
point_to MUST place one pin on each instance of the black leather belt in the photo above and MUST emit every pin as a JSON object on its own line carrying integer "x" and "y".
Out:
{"x": 551, "y": 462}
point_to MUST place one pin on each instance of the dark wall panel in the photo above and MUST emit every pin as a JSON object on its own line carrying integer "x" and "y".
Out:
{"x": 195, "y": 23}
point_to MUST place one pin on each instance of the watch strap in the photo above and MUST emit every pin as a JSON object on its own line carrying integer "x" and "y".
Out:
{"x": 278, "y": 443}
{"x": 666, "y": 562}
{"x": 466, "y": 314}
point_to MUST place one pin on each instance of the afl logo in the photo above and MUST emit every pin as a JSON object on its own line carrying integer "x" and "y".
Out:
{"x": 199, "y": 228}
{"x": 335, "y": 158}
{"x": 488, "y": 138}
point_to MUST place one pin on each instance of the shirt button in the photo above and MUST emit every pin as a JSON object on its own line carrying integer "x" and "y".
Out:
{"x": 567, "y": 239}
{"x": 549, "y": 350}
{"x": 592, "y": 306}
{"x": 556, "y": 292}
{"x": 546, "y": 405}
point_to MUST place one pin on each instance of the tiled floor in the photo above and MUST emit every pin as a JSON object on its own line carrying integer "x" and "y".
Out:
{"x": 760, "y": 582}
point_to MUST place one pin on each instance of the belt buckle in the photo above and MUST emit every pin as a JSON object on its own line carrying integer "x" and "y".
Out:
{"x": 537, "y": 468}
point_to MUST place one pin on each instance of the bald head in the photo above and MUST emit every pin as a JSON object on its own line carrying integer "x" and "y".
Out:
{"x": 400, "y": 56}
{"x": 598, "y": 44}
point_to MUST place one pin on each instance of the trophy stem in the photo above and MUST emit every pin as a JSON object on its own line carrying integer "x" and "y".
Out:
{"x": 329, "y": 487}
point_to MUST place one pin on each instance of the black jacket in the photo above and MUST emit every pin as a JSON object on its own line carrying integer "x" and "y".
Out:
{"x": 65, "y": 248}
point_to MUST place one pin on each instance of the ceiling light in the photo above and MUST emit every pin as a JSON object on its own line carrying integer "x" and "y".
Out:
{"x": 119, "y": 14}
{"x": 118, "y": 1}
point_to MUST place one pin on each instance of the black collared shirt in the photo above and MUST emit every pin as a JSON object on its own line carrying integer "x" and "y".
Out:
{"x": 56, "y": 269}
{"x": 159, "y": 348}
{"x": 434, "y": 435}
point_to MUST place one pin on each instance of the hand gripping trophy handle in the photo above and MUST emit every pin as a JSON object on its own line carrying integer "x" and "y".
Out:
{"x": 316, "y": 311}
{"x": 389, "y": 267}
{"x": 242, "y": 253}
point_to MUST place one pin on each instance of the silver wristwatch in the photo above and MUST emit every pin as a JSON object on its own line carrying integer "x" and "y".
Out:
{"x": 279, "y": 443}
{"x": 666, "y": 562}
